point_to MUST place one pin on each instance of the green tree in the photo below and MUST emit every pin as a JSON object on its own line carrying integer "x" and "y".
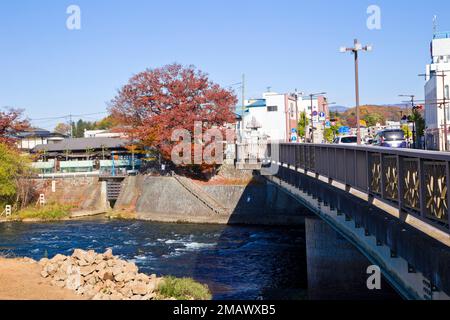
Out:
{"x": 407, "y": 131}
{"x": 14, "y": 168}
{"x": 419, "y": 121}
{"x": 372, "y": 119}
{"x": 302, "y": 125}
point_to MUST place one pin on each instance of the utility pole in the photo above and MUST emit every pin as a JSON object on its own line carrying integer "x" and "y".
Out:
{"x": 354, "y": 50}
{"x": 413, "y": 108}
{"x": 311, "y": 96}
{"x": 243, "y": 105}
{"x": 71, "y": 126}
{"x": 445, "y": 110}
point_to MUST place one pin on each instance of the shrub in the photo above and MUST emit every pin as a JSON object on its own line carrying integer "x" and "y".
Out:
{"x": 184, "y": 289}
{"x": 47, "y": 213}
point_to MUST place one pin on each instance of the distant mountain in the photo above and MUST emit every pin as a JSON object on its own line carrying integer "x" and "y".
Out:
{"x": 375, "y": 113}
{"x": 338, "y": 108}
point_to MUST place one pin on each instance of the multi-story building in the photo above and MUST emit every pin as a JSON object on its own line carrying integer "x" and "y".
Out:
{"x": 274, "y": 117}
{"x": 437, "y": 97}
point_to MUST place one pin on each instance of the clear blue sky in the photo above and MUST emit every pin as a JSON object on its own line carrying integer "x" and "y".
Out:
{"x": 51, "y": 71}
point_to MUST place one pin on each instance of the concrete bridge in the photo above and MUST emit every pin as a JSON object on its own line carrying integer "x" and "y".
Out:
{"x": 391, "y": 204}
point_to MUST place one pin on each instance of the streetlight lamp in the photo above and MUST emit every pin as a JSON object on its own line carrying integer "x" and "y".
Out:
{"x": 311, "y": 96}
{"x": 354, "y": 50}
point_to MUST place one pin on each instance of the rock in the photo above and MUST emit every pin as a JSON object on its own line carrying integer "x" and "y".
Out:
{"x": 116, "y": 270}
{"x": 126, "y": 292}
{"x": 100, "y": 266}
{"x": 139, "y": 288}
{"x": 90, "y": 257}
{"x": 43, "y": 262}
{"x": 99, "y": 258}
{"x": 60, "y": 275}
{"x": 110, "y": 284}
{"x": 87, "y": 270}
{"x": 149, "y": 296}
{"x": 131, "y": 267}
{"x": 59, "y": 258}
{"x": 151, "y": 287}
{"x": 108, "y": 254}
{"x": 73, "y": 282}
{"x": 120, "y": 277}
{"x": 129, "y": 276}
{"x": 50, "y": 268}
{"x": 79, "y": 254}
{"x": 29, "y": 260}
{"x": 99, "y": 276}
{"x": 143, "y": 277}
{"x": 116, "y": 296}
{"x": 108, "y": 276}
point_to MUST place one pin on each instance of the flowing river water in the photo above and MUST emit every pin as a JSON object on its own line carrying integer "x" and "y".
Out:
{"x": 236, "y": 262}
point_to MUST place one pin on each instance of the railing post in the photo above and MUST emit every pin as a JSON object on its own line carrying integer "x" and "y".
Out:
{"x": 400, "y": 179}
{"x": 422, "y": 188}
{"x": 345, "y": 167}
{"x": 368, "y": 174}
{"x": 447, "y": 181}
{"x": 383, "y": 177}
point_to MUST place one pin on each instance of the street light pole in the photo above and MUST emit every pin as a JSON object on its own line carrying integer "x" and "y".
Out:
{"x": 354, "y": 50}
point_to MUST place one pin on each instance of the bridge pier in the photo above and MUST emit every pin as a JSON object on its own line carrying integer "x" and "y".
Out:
{"x": 337, "y": 270}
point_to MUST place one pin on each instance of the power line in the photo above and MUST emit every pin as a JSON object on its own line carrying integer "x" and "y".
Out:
{"x": 69, "y": 116}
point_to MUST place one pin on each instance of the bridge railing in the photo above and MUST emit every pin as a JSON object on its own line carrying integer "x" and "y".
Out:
{"x": 415, "y": 182}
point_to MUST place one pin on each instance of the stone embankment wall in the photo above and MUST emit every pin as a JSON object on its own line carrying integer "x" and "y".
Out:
{"x": 164, "y": 199}
{"x": 83, "y": 193}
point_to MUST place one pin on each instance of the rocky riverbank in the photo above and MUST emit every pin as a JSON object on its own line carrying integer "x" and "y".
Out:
{"x": 102, "y": 277}
{"x": 87, "y": 275}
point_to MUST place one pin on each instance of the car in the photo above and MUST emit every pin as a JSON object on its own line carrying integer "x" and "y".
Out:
{"x": 348, "y": 140}
{"x": 391, "y": 138}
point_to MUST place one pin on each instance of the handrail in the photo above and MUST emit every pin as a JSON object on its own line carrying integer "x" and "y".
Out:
{"x": 413, "y": 181}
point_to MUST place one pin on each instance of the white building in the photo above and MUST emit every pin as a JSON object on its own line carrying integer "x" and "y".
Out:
{"x": 102, "y": 134}
{"x": 436, "y": 89}
{"x": 275, "y": 116}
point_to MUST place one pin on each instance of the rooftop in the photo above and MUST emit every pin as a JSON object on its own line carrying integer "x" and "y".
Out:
{"x": 442, "y": 35}
{"x": 82, "y": 144}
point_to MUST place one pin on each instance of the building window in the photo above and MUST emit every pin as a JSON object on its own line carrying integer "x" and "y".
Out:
{"x": 447, "y": 92}
{"x": 272, "y": 108}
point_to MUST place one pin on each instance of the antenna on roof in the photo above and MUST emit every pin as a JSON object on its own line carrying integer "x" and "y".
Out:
{"x": 435, "y": 24}
{"x": 269, "y": 88}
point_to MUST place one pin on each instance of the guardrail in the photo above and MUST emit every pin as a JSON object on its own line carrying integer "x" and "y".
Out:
{"x": 415, "y": 182}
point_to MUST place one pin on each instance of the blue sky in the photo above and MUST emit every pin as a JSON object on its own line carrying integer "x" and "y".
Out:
{"x": 51, "y": 71}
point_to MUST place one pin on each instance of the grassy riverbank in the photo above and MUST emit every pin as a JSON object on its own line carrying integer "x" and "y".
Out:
{"x": 184, "y": 289}
{"x": 51, "y": 212}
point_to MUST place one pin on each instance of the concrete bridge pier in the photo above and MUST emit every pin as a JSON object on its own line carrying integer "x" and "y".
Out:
{"x": 337, "y": 270}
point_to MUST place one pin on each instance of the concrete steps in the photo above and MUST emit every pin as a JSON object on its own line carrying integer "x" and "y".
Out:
{"x": 202, "y": 195}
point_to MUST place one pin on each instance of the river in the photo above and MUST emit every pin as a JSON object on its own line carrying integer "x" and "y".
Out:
{"x": 236, "y": 262}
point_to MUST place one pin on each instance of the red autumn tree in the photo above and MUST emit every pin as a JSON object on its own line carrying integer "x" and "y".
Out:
{"x": 11, "y": 122}
{"x": 156, "y": 102}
